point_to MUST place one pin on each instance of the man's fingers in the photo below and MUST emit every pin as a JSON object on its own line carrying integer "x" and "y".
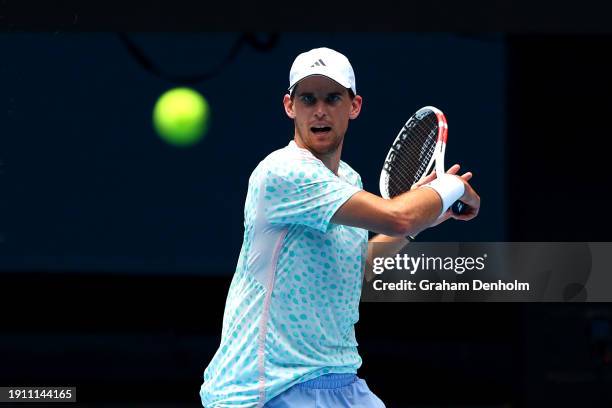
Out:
{"x": 453, "y": 169}
{"x": 424, "y": 180}
{"x": 428, "y": 178}
{"x": 464, "y": 217}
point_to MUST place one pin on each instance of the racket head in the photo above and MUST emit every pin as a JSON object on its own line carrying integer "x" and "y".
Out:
{"x": 419, "y": 143}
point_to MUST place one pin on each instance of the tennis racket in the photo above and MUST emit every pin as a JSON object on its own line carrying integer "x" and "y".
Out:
{"x": 420, "y": 143}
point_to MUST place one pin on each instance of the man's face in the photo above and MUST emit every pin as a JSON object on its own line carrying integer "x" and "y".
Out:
{"x": 321, "y": 109}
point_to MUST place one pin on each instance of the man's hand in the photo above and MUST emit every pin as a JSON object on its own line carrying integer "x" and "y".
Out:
{"x": 475, "y": 200}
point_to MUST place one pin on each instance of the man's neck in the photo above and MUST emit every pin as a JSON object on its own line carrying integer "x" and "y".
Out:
{"x": 330, "y": 160}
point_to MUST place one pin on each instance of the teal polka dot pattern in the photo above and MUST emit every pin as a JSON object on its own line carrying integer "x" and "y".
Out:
{"x": 290, "y": 317}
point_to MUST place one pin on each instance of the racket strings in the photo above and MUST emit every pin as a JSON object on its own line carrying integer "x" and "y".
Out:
{"x": 404, "y": 164}
{"x": 403, "y": 167}
{"x": 403, "y": 159}
{"x": 413, "y": 153}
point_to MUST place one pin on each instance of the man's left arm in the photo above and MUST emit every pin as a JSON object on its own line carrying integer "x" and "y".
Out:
{"x": 382, "y": 246}
{"x": 385, "y": 246}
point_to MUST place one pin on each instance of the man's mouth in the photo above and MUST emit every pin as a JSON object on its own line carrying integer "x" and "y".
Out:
{"x": 320, "y": 129}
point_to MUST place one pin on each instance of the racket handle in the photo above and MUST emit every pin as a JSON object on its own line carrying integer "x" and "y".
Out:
{"x": 459, "y": 207}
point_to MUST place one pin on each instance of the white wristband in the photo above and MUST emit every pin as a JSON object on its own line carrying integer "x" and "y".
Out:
{"x": 449, "y": 187}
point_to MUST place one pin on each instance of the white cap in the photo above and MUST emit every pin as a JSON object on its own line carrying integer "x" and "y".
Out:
{"x": 326, "y": 62}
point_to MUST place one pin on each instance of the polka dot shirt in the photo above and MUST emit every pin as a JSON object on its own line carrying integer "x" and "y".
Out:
{"x": 294, "y": 298}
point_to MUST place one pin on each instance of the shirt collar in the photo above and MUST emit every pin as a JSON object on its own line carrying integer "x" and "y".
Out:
{"x": 293, "y": 145}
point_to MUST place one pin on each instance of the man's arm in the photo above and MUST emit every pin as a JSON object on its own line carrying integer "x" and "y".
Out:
{"x": 389, "y": 246}
{"x": 407, "y": 214}
{"x": 382, "y": 245}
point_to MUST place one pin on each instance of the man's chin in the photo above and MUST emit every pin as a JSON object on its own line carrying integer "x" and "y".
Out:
{"x": 325, "y": 148}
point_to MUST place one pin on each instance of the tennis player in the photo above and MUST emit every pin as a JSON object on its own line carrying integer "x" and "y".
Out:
{"x": 288, "y": 336}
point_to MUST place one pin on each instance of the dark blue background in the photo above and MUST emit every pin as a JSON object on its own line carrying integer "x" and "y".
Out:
{"x": 90, "y": 187}
{"x": 142, "y": 238}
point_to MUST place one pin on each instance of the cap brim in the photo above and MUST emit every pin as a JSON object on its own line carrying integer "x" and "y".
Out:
{"x": 347, "y": 86}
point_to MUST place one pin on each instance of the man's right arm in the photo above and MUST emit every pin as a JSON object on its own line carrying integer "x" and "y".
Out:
{"x": 407, "y": 214}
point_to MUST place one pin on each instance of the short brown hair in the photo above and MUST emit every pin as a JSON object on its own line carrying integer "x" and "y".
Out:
{"x": 292, "y": 93}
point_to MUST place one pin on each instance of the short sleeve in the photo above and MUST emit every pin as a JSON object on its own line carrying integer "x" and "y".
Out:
{"x": 304, "y": 192}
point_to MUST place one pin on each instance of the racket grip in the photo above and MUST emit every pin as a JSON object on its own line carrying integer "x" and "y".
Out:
{"x": 459, "y": 207}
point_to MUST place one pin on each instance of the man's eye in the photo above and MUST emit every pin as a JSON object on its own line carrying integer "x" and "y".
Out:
{"x": 333, "y": 98}
{"x": 308, "y": 99}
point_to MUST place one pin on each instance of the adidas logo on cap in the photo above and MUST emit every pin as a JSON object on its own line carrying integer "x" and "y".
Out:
{"x": 318, "y": 63}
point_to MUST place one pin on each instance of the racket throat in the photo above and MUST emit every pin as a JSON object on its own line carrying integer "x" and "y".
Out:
{"x": 438, "y": 158}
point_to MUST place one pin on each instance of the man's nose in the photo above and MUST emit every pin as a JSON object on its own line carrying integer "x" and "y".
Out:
{"x": 320, "y": 110}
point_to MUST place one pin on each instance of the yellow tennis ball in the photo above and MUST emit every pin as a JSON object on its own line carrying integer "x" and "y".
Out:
{"x": 181, "y": 116}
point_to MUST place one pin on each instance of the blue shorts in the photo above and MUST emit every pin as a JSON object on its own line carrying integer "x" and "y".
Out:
{"x": 328, "y": 391}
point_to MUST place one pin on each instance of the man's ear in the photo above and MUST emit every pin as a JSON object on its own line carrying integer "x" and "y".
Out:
{"x": 288, "y": 103}
{"x": 355, "y": 107}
